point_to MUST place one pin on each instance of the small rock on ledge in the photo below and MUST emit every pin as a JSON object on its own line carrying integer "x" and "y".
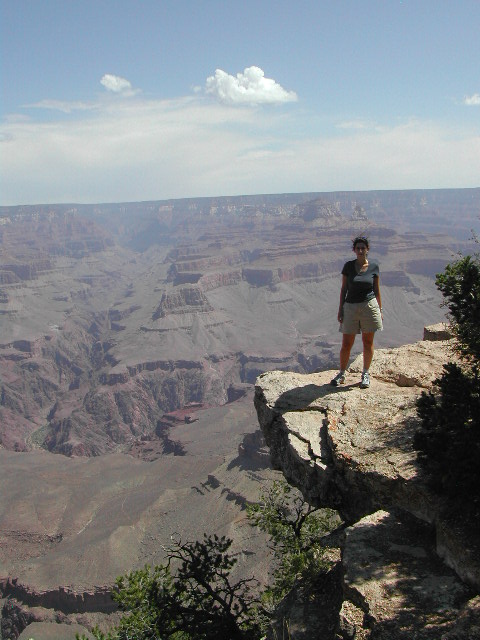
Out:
{"x": 439, "y": 331}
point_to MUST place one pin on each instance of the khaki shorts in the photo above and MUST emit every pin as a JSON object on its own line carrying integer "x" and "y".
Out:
{"x": 361, "y": 317}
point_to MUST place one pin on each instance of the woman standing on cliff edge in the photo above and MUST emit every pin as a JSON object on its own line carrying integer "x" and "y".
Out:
{"x": 360, "y": 309}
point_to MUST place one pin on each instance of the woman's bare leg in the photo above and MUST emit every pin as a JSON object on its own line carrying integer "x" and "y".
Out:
{"x": 347, "y": 344}
{"x": 367, "y": 339}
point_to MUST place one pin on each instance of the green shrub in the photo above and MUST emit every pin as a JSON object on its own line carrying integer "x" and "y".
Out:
{"x": 448, "y": 439}
{"x": 460, "y": 286}
{"x": 192, "y": 597}
{"x": 295, "y": 529}
{"x": 197, "y": 602}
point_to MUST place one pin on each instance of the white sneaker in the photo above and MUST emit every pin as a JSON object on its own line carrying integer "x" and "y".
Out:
{"x": 365, "y": 380}
{"x": 338, "y": 379}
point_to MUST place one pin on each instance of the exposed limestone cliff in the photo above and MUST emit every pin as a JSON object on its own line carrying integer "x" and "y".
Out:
{"x": 406, "y": 565}
{"x": 185, "y": 300}
{"x": 316, "y": 209}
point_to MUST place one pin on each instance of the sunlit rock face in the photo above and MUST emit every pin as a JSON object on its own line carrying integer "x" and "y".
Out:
{"x": 356, "y": 445}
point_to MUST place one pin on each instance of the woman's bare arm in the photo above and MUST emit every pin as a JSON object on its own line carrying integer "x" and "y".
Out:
{"x": 343, "y": 295}
{"x": 376, "y": 291}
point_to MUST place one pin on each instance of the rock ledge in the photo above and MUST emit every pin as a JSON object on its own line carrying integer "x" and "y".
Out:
{"x": 351, "y": 449}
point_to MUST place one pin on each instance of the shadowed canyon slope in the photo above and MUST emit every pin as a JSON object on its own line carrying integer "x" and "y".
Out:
{"x": 130, "y": 339}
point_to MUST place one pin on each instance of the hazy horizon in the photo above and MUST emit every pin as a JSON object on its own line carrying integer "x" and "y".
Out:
{"x": 301, "y": 194}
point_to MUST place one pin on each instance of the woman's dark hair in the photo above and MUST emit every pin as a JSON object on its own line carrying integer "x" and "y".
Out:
{"x": 358, "y": 239}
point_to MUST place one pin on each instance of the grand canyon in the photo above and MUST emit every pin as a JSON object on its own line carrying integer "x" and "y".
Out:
{"x": 131, "y": 338}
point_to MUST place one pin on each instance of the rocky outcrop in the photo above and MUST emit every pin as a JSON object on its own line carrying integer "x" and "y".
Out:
{"x": 128, "y": 407}
{"x": 398, "y": 279}
{"x": 392, "y": 574}
{"x": 407, "y": 565}
{"x": 52, "y": 613}
{"x": 426, "y": 266}
{"x": 184, "y": 300}
{"x": 220, "y": 279}
{"x": 123, "y": 374}
{"x": 198, "y": 262}
{"x": 8, "y": 277}
{"x": 434, "y": 332}
{"x": 28, "y": 270}
{"x": 267, "y": 277}
{"x": 62, "y": 599}
{"x": 359, "y": 213}
{"x": 317, "y": 209}
{"x": 116, "y": 314}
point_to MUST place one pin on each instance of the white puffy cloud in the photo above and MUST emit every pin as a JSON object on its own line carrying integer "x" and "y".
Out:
{"x": 248, "y": 88}
{"x": 117, "y": 84}
{"x": 472, "y": 101}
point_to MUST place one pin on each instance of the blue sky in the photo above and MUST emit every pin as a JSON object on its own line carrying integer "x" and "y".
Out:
{"x": 110, "y": 101}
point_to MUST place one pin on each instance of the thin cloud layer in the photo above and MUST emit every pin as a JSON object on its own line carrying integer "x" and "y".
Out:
{"x": 472, "y": 101}
{"x": 155, "y": 149}
{"x": 248, "y": 88}
{"x": 117, "y": 84}
{"x": 61, "y": 105}
{"x": 358, "y": 125}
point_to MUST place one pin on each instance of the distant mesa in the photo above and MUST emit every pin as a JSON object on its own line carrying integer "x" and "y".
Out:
{"x": 318, "y": 209}
{"x": 184, "y": 300}
{"x": 359, "y": 213}
{"x": 398, "y": 279}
